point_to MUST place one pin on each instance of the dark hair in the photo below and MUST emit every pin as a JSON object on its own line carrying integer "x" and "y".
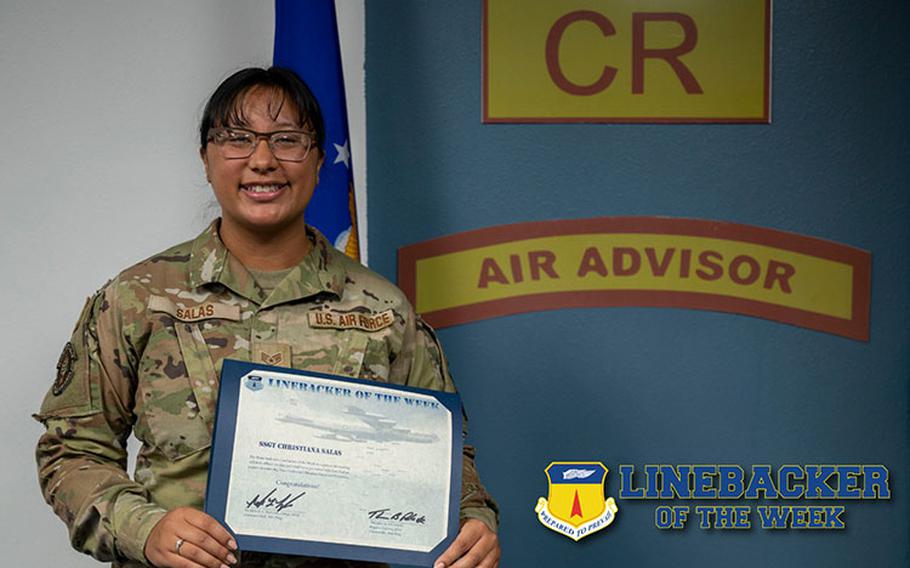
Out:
{"x": 224, "y": 108}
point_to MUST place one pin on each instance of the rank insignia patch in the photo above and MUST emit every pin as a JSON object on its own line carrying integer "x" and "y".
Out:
{"x": 271, "y": 359}
{"x": 272, "y": 353}
{"x": 64, "y": 369}
{"x": 575, "y": 504}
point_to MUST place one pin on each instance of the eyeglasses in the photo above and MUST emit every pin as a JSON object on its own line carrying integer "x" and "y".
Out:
{"x": 240, "y": 143}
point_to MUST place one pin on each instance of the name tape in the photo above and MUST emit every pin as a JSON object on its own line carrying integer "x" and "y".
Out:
{"x": 195, "y": 312}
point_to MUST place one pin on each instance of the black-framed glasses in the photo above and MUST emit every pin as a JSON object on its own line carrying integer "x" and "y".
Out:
{"x": 239, "y": 143}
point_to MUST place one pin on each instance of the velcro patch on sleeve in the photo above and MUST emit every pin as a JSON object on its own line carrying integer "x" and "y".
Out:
{"x": 195, "y": 312}
{"x": 331, "y": 319}
{"x": 64, "y": 369}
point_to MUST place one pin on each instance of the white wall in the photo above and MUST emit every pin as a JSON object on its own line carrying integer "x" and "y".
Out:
{"x": 98, "y": 169}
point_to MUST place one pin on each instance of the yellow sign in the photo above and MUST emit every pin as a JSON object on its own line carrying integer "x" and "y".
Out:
{"x": 640, "y": 261}
{"x": 626, "y": 61}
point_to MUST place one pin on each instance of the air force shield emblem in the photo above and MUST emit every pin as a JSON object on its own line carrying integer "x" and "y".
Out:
{"x": 253, "y": 382}
{"x": 575, "y": 504}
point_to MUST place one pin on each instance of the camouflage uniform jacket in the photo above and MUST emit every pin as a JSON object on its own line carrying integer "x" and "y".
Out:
{"x": 145, "y": 357}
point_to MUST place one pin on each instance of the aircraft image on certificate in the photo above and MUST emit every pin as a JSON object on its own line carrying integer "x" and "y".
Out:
{"x": 379, "y": 428}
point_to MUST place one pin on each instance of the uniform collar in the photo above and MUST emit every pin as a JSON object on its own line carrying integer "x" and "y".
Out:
{"x": 320, "y": 271}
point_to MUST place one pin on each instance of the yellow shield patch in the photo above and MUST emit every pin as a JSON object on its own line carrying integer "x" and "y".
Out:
{"x": 575, "y": 504}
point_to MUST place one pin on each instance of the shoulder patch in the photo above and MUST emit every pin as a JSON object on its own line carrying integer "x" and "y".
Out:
{"x": 64, "y": 369}
{"x": 333, "y": 319}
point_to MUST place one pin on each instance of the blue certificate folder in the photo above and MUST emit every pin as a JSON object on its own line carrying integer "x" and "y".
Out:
{"x": 297, "y": 452}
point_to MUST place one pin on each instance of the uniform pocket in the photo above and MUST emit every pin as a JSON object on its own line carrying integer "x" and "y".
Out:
{"x": 352, "y": 347}
{"x": 71, "y": 393}
{"x": 375, "y": 365}
{"x": 169, "y": 416}
{"x": 179, "y": 406}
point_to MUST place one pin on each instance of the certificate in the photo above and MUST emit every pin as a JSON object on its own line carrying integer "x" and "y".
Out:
{"x": 318, "y": 465}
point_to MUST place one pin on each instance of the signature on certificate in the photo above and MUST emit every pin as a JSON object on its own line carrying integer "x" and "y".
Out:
{"x": 270, "y": 501}
{"x": 400, "y": 516}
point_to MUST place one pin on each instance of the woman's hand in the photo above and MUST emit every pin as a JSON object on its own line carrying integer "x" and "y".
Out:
{"x": 203, "y": 542}
{"x": 476, "y": 546}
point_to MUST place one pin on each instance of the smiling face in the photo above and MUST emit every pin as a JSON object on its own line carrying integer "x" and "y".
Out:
{"x": 261, "y": 194}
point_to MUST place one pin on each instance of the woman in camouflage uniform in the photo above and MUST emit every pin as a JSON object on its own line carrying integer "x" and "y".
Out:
{"x": 147, "y": 350}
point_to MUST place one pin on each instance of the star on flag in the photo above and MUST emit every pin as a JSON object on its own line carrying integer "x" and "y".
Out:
{"x": 344, "y": 154}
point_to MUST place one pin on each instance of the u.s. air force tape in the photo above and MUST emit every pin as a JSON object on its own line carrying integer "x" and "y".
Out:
{"x": 331, "y": 319}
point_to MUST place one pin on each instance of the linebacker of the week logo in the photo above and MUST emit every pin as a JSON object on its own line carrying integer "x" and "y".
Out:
{"x": 575, "y": 504}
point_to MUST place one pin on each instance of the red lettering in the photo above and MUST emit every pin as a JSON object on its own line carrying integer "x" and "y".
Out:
{"x": 685, "y": 261}
{"x": 554, "y": 38}
{"x": 754, "y": 270}
{"x": 716, "y": 271}
{"x": 490, "y": 272}
{"x": 670, "y": 55}
{"x": 542, "y": 260}
{"x": 591, "y": 261}
{"x": 659, "y": 268}
{"x": 779, "y": 272}
{"x": 515, "y": 261}
{"x": 193, "y": 313}
{"x": 619, "y": 263}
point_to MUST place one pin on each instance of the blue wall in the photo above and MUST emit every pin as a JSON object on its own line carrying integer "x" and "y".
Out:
{"x": 644, "y": 385}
